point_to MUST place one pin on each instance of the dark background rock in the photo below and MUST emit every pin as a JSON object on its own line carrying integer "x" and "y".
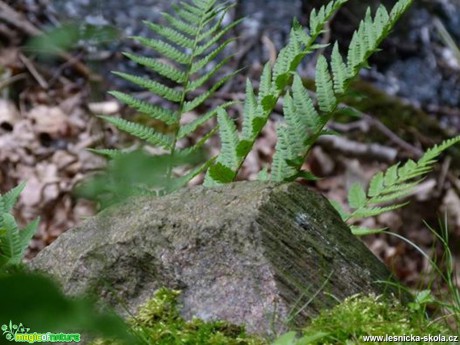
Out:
{"x": 250, "y": 253}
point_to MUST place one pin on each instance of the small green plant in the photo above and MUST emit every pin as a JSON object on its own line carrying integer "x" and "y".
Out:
{"x": 191, "y": 42}
{"x": 13, "y": 241}
{"x": 362, "y": 316}
{"x": 387, "y": 187}
{"x": 159, "y": 322}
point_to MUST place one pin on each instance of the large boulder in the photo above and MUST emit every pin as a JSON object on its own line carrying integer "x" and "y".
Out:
{"x": 253, "y": 253}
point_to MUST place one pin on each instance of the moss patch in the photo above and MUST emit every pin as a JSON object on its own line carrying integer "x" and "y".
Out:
{"x": 159, "y": 322}
{"x": 360, "y": 316}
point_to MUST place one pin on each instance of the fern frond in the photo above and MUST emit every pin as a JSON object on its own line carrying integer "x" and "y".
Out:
{"x": 289, "y": 58}
{"x": 301, "y": 118}
{"x": 153, "y": 86}
{"x": 339, "y": 70}
{"x": 164, "y": 49}
{"x": 229, "y": 140}
{"x": 13, "y": 242}
{"x": 165, "y": 70}
{"x": 324, "y": 89}
{"x": 171, "y": 35}
{"x": 265, "y": 83}
{"x": 180, "y": 25}
{"x": 250, "y": 110}
{"x": 394, "y": 184}
{"x": 140, "y": 131}
{"x": 155, "y": 112}
{"x": 25, "y": 236}
{"x": 9, "y": 199}
{"x": 10, "y": 243}
{"x": 280, "y": 166}
{"x": 190, "y": 41}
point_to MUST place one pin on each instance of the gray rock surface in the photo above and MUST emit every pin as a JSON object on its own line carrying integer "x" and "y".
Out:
{"x": 253, "y": 253}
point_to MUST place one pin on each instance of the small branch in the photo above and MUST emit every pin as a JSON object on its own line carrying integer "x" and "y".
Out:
{"x": 354, "y": 149}
{"x": 9, "y": 15}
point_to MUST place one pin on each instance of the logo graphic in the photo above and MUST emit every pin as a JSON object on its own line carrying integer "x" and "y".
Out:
{"x": 20, "y": 333}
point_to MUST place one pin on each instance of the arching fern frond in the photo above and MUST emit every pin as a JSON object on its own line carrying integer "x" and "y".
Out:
{"x": 389, "y": 186}
{"x": 274, "y": 82}
{"x": 188, "y": 45}
{"x": 330, "y": 88}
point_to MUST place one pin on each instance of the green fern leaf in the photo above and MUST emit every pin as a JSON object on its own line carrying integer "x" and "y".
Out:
{"x": 250, "y": 111}
{"x": 9, "y": 199}
{"x": 283, "y": 151}
{"x": 181, "y": 26}
{"x": 167, "y": 116}
{"x": 10, "y": 243}
{"x": 374, "y": 211}
{"x": 171, "y": 35}
{"x": 397, "y": 182}
{"x": 324, "y": 89}
{"x": 218, "y": 174}
{"x": 140, "y": 131}
{"x": 26, "y": 234}
{"x": 363, "y": 231}
{"x": 304, "y": 108}
{"x": 163, "y": 69}
{"x": 153, "y": 86}
{"x": 376, "y": 185}
{"x": 357, "y": 196}
{"x": 229, "y": 140}
{"x": 339, "y": 70}
{"x": 190, "y": 17}
{"x": 265, "y": 83}
{"x": 164, "y": 49}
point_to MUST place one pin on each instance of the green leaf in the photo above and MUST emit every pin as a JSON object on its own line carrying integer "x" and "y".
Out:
{"x": 356, "y": 196}
{"x": 363, "y": 231}
{"x": 324, "y": 88}
{"x": 221, "y": 174}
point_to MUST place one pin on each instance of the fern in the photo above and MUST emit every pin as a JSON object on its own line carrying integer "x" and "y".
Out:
{"x": 274, "y": 81}
{"x": 331, "y": 85}
{"x": 386, "y": 187}
{"x": 190, "y": 41}
{"x": 13, "y": 241}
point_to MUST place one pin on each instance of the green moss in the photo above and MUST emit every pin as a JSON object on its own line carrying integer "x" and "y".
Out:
{"x": 159, "y": 322}
{"x": 359, "y": 316}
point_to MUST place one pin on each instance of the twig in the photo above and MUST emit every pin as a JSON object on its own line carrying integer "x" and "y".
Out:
{"x": 30, "y": 66}
{"x": 12, "y": 17}
{"x": 355, "y": 149}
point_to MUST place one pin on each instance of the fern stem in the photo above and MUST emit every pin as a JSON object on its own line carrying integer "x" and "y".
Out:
{"x": 188, "y": 75}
